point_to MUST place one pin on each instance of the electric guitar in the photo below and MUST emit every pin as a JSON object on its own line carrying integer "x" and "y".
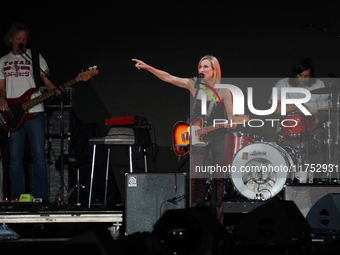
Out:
{"x": 181, "y": 133}
{"x": 11, "y": 120}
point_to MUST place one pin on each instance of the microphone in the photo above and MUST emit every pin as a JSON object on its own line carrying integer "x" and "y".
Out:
{"x": 21, "y": 47}
{"x": 198, "y": 80}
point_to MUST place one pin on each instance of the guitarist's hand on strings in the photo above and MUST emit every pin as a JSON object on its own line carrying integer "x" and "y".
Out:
{"x": 58, "y": 92}
{"x": 3, "y": 102}
{"x": 49, "y": 85}
{"x": 231, "y": 124}
{"x": 4, "y": 105}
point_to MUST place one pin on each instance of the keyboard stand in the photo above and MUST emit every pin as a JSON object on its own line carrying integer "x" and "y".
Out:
{"x": 127, "y": 136}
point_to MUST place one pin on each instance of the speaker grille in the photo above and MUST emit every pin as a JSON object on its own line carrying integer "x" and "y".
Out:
{"x": 147, "y": 197}
{"x": 324, "y": 217}
{"x": 305, "y": 196}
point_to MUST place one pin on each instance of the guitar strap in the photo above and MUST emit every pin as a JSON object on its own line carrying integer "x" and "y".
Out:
{"x": 36, "y": 69}
{"x": 210, "y": 109}
{"x": 211, "y": 105}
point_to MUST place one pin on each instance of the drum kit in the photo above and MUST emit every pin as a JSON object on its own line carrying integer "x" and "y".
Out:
{"x": 260, "y": 170}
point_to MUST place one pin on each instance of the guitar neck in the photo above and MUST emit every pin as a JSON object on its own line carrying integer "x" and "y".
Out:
{"x": 237, "y": 119}
{"x": 30, "y": 103}
{"x": 209, "y": 129}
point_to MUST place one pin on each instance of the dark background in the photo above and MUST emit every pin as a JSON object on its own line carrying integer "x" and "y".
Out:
{"x": 250, "y": 39}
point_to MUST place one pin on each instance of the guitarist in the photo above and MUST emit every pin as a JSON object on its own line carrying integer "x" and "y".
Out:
{"x": 216, "y": 141}
{"x": 16, "y": 77}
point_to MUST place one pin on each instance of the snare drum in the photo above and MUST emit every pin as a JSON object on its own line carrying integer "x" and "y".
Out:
{"x": 296, "y": 124}
{"x": 259, "y": 170}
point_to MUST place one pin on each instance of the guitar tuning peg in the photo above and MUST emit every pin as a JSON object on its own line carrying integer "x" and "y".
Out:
{"x": 90, "y": 68}
{"x": 94, "y": 67}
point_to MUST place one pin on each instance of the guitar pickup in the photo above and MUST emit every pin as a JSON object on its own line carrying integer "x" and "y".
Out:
{"x": 185, "y": 136}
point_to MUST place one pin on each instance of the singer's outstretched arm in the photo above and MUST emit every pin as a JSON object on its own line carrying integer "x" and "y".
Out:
{"x": 164, "y": 76}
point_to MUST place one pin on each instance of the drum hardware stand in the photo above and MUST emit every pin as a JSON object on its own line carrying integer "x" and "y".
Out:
{"x": 293, "y": 154}
{"x": 329, "y": 135}
{"x": 298, "y": 164}
{"x": 337, "y": 149}
{"x": 309, "y": 174}
{"x": 306, "y": 156}
{"x": 300, "y": 159}
{"x": 329, "y": 141}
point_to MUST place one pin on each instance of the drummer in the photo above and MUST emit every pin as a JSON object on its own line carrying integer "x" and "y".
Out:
{"x": 302, "y": 75}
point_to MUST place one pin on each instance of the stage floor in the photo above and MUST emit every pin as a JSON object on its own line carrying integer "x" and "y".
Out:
{"x": 114, "y": 217}
{"x": 31, "y": 221}
{"x": 66, "y": 229}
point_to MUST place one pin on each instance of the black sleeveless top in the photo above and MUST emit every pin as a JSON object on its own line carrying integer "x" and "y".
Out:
{"x": 218, "y": 112}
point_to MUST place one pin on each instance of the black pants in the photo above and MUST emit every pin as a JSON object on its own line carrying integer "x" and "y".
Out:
{"x": 213, "y": 156}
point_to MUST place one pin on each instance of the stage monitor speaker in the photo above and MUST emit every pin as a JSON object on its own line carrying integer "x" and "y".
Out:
{"x": 274, "y": 223}
{"x": 324, "y": 217}
{"x": 149, "y": 195}
{"x": 193, "y": 230}
{"x": 306, "y": 195}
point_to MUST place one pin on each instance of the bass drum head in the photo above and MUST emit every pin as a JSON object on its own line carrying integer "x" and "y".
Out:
{"x": 259, "y": 170}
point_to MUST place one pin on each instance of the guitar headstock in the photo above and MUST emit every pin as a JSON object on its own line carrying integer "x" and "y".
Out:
{"x": 84, "y": 76}
{"x": 241, "y": 118}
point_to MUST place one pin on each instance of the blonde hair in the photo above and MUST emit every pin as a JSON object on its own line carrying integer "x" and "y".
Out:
{"x": 215, "y": 65}
{"x": 13, "y": 30}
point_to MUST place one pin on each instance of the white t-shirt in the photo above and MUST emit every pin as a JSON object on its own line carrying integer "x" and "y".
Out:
{"x": 316, "y": 101}
{"x": 18, "y": 72}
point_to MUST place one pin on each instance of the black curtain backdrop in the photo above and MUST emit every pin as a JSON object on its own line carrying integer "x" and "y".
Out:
{"x": 250, "y": 39}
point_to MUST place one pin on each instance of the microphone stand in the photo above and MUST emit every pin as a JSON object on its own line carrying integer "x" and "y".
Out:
{"x": 22, "y": 53}
{"x": 191, "y": 112}
{"x": 61, "y": 119}
{"x": 34, "y": 64}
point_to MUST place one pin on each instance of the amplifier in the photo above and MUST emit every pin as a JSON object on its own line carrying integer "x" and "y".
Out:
{"x": 53, "y": 151}
{"x": 306, "y": 195}
{"x": 52, "y": 119}
{"x": 149, "y": 195}
{"x": 54, "y": 101}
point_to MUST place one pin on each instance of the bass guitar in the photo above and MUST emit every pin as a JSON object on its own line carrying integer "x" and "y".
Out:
{"x": 11, "y": 120}
{"x": 181, "y": 133}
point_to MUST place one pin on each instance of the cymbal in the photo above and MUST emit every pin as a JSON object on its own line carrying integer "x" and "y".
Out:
{"x": 333, "y": 109}
{"x": 325, "y": 90}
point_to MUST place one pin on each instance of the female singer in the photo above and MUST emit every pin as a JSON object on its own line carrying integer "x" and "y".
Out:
{"x": 215, "y": 141}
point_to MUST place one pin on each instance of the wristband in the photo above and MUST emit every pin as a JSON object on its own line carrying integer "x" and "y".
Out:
{"x": 2, "y": 98}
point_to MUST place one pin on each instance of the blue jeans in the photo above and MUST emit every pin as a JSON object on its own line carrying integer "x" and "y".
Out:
{"x": 35, "y": 130}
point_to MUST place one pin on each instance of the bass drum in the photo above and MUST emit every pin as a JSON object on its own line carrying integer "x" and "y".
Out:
{"x": 259, "y": 170}
{"x": 239, "y": 140}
